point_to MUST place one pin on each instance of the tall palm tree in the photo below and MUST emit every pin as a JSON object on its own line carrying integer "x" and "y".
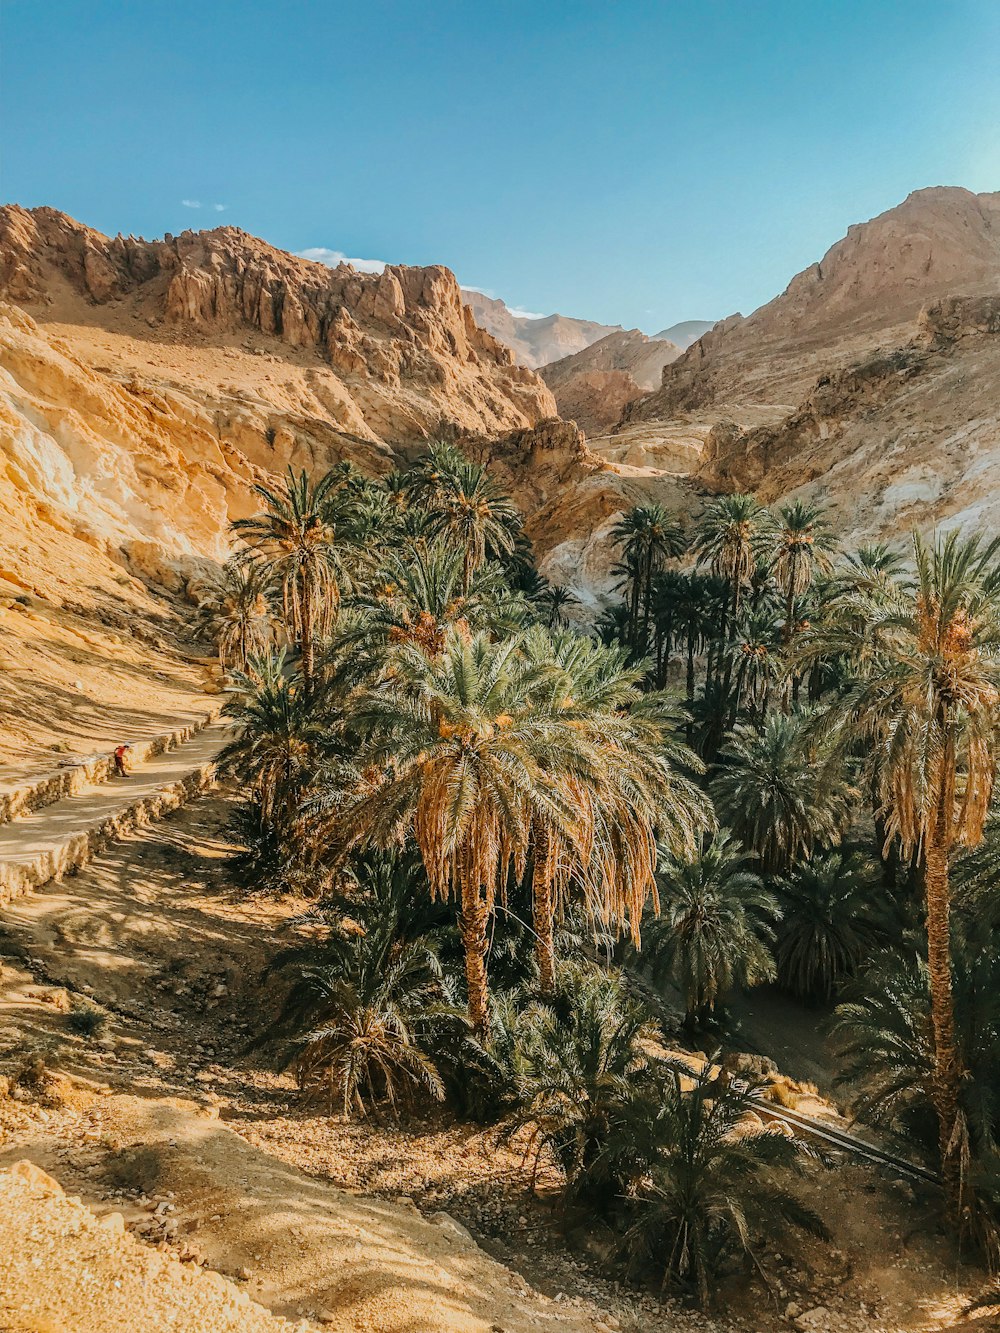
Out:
{"x": 804, "y": 543}
{"x": 927, "y": 710}
{"x": 780, "y": 795}
{"x": 236, "y": 612}
{"x": 555, "y": 600}
{"x": 732, "y": 536}
{"x": 467, "y": 508}
{"x": 716, "y": 927}
{"x": 463, "y": 754}
{"x": 413, "y": 594}
{"x": 649, "y": 537}
{"x": 299, "y": 538}
{"x": 628, "y": 779}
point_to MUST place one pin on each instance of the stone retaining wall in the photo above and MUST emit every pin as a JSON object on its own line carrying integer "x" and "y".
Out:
{"x": 73, "y": 779}
{"x": 78, "y": 848}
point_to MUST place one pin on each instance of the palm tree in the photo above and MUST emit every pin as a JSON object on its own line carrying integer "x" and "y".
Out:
{"x": 414, "y": 595}
{"x": 463, "y": 754}
{"x": 804, "y": 541}
{"x": 555, "y": 600}
{"x": 357, "y": 1011}
{"x": 886, "y": 1045}
{"x": 235, "y": 611}
{"x": 467, "y": 508}
{"x": 780, "y": 795}
{"x": 927, "y": 710}
{"x": 716, "y": 927}
{"x": 298, "y": 538}
{"x": 580, "y": 1066}
{"x": 712, "y": 1187}
{"x": 649, "y": 537}
{"x": 281, "y": 735}
{"x": 732, "y": 536}
{"x": 627, "y": 779}
{"x": 755, "y": 662}
{"x": 829, "y": 923}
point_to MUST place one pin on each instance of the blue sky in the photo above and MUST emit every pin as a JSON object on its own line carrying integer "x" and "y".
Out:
{"x": 623, "y": 161}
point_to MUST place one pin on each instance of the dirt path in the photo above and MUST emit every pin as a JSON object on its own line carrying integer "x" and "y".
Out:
{"x": 58, "y": 838}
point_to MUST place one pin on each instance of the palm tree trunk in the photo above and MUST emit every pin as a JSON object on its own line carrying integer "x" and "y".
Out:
{"x": 306, "y": 635}
{"x": 946, "y": 1063}
{"x": 473, "y": 920}
{"x": 543, "y": 910}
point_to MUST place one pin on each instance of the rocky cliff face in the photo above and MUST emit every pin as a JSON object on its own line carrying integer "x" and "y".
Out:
{"x": 403, "y": 333}
{"x": 865, "y": 292}
{"x": 871, "y": 383}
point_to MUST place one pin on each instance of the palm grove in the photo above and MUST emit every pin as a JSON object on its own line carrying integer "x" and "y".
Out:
{"x": 530, "y": 848}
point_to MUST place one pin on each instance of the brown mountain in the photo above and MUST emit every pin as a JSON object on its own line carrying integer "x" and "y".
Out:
{"x": 534, "y": 340}
{"x": 872, "y": 382}
{"x": 593, "y": 387}
{"x": 146, "y": 385}
{"x": 865, "y": 292}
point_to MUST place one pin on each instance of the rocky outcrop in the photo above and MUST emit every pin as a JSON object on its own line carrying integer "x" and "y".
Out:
{"x": 404, "y": 331}
{"x": 866, "y": 292}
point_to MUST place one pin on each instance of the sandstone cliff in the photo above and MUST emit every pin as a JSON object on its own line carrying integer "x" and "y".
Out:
{"x": 144, "y": 387}
{"x": 871, "y": 383}
{"x": 865, "y": 292}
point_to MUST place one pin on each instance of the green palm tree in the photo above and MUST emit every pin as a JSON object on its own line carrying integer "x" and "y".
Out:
{"x": 357, "y": 1013}
{"x": 280, "y": 736}
{"x": 625, "y": 775}
{"x": 468, "y": 763}
{"x": 716, "y": 927}
{"x": 885, "y": 1042}
{"x": 580, "y": 1067}
{"x": 236, "y": 613}
{"x": 649, "y": 537}
{"x": 804, "y": 543}
{"x": 829, "y": 922}
{"x": 780, "y": 795}
{"x": 299, "y": 538}
{"x": 926, "y": 711}
{"x": 712, "y": 1188}
{"x": 467, "y": 508}
{"x": 554, "y": 602}
{"x": 414, "y": 594}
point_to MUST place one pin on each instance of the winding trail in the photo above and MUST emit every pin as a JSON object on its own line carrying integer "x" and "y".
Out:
{"x": 60, "y": 838}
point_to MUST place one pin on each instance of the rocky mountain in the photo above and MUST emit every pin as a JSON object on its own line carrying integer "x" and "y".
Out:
{"x": 870, "y": 383}
{"x": 145, "y": 386}
{"x": 147, "y": 383}
{"x": 593, "y": 387}
{"x": 685, "y": 333}
{"x": 535, "y": 340}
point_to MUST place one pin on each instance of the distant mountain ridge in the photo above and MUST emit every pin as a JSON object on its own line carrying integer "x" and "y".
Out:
{"x": 593, "y": 387}
{"x": 534, "y": 341}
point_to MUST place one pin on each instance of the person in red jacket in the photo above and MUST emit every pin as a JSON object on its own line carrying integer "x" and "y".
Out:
{"x": 120, "y": 754}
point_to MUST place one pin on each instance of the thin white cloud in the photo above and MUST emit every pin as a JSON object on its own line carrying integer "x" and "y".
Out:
{"x": 483, "y": 291}
{"x": 220, "y": 208}
{"x": 518, "y": 313}
{"x": 191, "y": 203}
{"x": 334, "y": 257}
